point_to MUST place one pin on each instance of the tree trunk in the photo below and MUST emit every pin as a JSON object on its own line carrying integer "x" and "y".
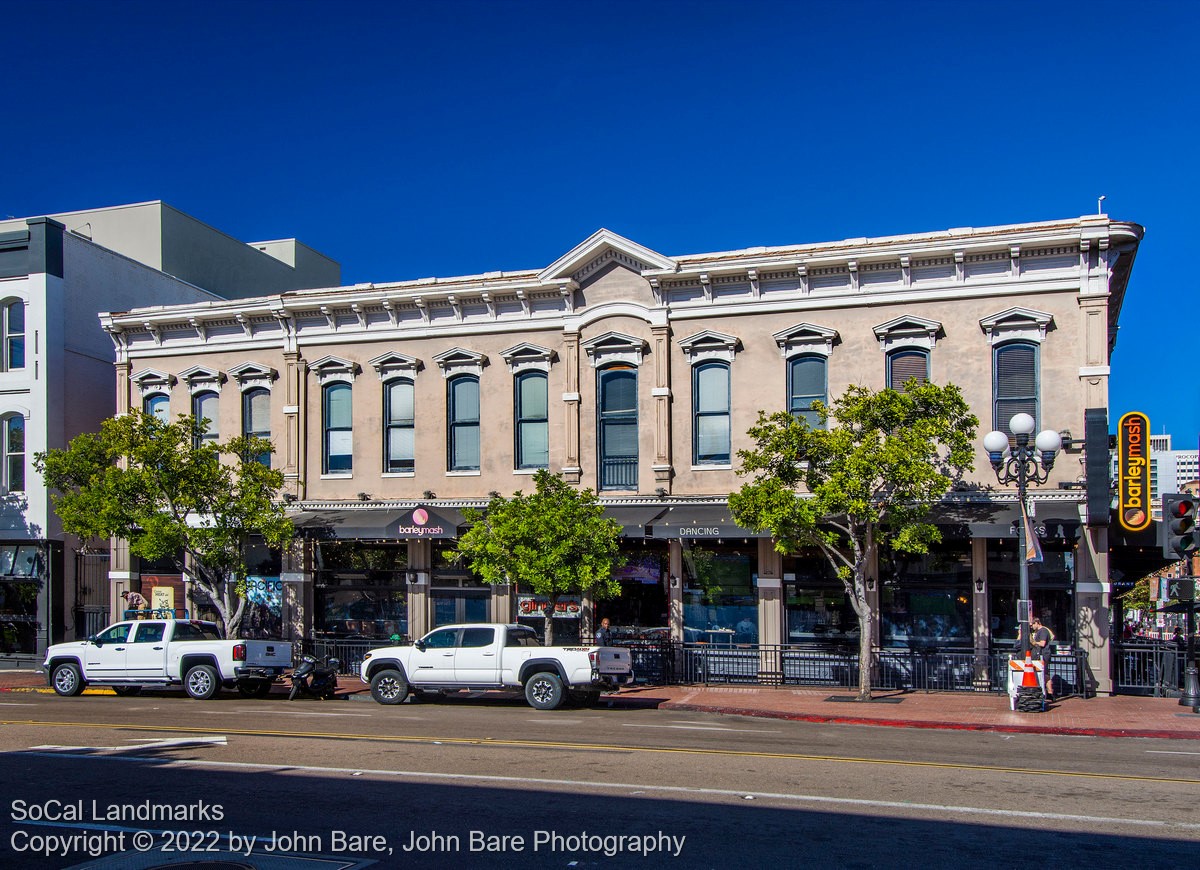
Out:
{"x": 550, "y": 608}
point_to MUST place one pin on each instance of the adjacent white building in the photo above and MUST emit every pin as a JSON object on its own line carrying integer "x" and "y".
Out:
{"x": 56, "y": 375}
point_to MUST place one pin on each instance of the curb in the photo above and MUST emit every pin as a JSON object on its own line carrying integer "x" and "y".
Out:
{"x": 942, "y": 726}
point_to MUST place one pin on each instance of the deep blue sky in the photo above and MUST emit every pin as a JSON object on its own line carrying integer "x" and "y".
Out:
{"x": 415, "y": 139}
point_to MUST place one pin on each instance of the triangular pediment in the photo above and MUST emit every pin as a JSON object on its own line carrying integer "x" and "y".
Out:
{"x": 603, "y": 245}
{"x": 806, "y": 338}
{"x": 331, "y": 367}
{"x": 252, "y": 371}
{"x": 147, "y": 378}
{"x": 908, "y": 324}
{"x": 1017, "y": 318}
{"x": 394, "y": 363}
{"x": 197, "y": 375}
{"x": 526, "y": 355}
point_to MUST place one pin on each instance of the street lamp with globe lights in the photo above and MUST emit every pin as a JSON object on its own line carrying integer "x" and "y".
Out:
{"x": 1022, "y": 463}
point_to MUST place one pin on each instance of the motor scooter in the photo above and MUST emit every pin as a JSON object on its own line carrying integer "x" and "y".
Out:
{"x": 312, "y": 679}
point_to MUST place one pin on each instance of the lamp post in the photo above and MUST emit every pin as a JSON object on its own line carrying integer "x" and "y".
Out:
{"x": 1022, "y": 463}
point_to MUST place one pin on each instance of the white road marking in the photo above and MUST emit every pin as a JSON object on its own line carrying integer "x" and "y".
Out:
{"x": 591, "y": 785}
{"x": 141, "y": 743}
{"x": 1169, "y": 752}
{"x": 701, "y": 728}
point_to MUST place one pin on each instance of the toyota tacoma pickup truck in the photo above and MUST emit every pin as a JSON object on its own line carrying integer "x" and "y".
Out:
{"x": 163, "y": 654}
{"x": 495, "y": 656}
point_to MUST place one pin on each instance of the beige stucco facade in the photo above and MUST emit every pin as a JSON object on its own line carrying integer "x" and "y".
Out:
{"x": 954, "y": 294}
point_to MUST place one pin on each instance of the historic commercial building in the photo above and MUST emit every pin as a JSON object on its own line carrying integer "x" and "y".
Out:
{"x": 57, "y": 381}
{"x": 392, "y": 406}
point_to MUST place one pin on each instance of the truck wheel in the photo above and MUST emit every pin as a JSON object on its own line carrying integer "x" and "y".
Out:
{"x": 127, "y": 691}
{"x": 544, "y": 691}
{"x": 389, "y": 687}
{"x": 201, "y": 682}
{"x": 67, "y": 680}
{"x": 258, "y": 689}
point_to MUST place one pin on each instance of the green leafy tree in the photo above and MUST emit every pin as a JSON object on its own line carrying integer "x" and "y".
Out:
{"x": 150, "y": 483}
{"x": 868, "y": 477}
{"x": 554, "y": 541}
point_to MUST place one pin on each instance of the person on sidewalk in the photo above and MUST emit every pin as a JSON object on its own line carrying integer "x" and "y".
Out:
{"x": 1042, "y": 649}
{"x": 604, "y": 633}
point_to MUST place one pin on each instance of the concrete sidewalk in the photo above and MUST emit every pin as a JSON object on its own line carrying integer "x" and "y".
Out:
{"x": 1116, "y": 716}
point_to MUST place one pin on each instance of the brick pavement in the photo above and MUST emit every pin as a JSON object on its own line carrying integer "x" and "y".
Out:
{"x": 1115, "y": 716}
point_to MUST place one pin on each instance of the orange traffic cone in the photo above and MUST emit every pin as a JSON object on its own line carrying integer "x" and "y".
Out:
{"x": 1029, "y": 678}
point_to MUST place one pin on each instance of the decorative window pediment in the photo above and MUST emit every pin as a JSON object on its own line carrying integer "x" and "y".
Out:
{"x": 527, "y": 357}
{"x": 251, "y": 374}
{"x": 152, "y": 381}
{"x": 391, "y": 364}
{"x": 200, "y": 378}
{"x": 908, "y": 331}
{"x": 458, "y": 361}
{"x": 333, "y": 368}
{"x": 805, "y": 338}
{"x": 615, "y": 347}
{"x": 1017, "y": 323}
{"x": 708, "y": 345}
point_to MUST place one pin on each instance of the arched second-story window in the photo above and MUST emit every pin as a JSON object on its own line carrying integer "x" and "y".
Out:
{"x": 807, "y": 382}
{"x": 158, "y": 405}
{"x": 256, "y": 418}
{"x": 906, "y": 363}
{"x": 531, "y": 413}
{"x": 462, "y": 423}
{"x": 338, "y": 443}
{"x": 710, "y": 414}
{"x": 204, "y": 410}
{"x": 399, "y": 414}
{"x": 13, "y": 330}
{"x": 617, "y": 412}
{"x": 13, "y": 465}
{"x": 1015, "y": 382}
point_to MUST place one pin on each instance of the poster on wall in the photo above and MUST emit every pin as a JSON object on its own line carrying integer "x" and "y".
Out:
{"x": 264, "y": 607}
{"x": 163, "y": 598}
{"x": 534, "y": 606}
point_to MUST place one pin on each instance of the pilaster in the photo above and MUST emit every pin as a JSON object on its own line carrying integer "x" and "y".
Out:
{"x": 572, "y": 468}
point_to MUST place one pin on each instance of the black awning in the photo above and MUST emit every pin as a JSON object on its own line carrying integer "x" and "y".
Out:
{"x": 1053, "y": 520}
{"x": 634, "y": 519}
{"x": 700, "y": 521}
{"x": 376, "y": 524}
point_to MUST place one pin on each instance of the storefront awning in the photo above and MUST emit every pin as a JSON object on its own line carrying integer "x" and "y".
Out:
{"x": 634, "y": 519}
{"x": 1052, "y": 520}
{"x": 700, "y": 521}
{"x": 380, "y": 525}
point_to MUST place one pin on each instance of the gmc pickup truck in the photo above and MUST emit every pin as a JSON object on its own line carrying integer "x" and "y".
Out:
{"x": 166, "y": 653}
{"x": 495, "y": 656}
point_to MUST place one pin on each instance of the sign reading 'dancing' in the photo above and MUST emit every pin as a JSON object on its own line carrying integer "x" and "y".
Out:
{"x": 1133, "y": 471}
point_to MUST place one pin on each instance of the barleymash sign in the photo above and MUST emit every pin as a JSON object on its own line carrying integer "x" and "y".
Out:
{"x": 1133, "y": 471}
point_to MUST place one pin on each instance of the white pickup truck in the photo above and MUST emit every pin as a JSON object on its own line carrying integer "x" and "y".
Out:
{"x": 495, "y": 656}
{"x": 166, "y": 653}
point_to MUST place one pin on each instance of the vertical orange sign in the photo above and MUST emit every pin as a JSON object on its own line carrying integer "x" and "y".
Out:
{"x": 1133, "y": 471}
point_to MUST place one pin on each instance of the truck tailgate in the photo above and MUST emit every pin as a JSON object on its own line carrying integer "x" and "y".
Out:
{"x": 268, "y": 653}
{"x": 614, "y": 660}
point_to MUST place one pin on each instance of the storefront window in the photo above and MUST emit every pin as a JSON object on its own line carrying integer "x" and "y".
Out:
{"x": 925, "y": 600}
{"x": 361, "y": 590}
{"x": 720, "y": 601}
{"x": 457, "y": 595}
{"x": 817, "y": 608}
{"x": 640, "y": 611}
{"x": 1051, "y": 589}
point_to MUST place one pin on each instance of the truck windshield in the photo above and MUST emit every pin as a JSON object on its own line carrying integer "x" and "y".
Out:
{"x": 195, "y": 631}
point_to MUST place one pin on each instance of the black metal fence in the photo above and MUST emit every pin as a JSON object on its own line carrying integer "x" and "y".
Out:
{"x": 1149, "y": 668}
{"x": 785, "y": 665}
{"x": 669, "y": 663}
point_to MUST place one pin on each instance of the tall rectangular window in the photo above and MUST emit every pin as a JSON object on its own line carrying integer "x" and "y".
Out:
{"x": 157, "y": 406}
{"x": 808, "y": 382}
{"x": 618, "y": 423}
{"x": 532, "y": 420}
{"x": 1015, "y": 387}
{"x": 399, "y": 451}
{"x": 13, "y": 328}
{"x": 339, "y": 430}
{"x": 14, "y": 453}
{"x": 710, "y": 414}
{"x": 463, "y": 423}
{"x": 204, "y": 410}
{"x": 256, "y": 418}
{"x": 904, "y": 365}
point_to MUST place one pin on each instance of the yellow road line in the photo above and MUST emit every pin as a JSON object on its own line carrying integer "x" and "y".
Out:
{"x": 598, "y": 747}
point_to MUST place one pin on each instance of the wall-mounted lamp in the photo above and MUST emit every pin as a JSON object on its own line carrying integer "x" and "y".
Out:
{"x": 364, "y": 496}
{"x": 674, "y": 582}
{"x": 660, "y": 491}
{"x": 978, "y": 584}
{"x": 870, "y": 584}
{"x": 429, "y": 493}
{"x": 289, "y": 497}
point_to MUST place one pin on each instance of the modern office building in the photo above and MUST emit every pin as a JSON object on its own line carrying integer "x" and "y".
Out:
{"x": 637, "y": 374}
{"x": 57, "y": 381}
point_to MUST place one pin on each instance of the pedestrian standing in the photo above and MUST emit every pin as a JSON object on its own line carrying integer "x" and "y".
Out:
{"x": 134, "y": 601}
{"x": 604, "y": 633}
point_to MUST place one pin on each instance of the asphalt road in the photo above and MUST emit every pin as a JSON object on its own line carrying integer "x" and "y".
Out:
{"x": 493, "y": 783}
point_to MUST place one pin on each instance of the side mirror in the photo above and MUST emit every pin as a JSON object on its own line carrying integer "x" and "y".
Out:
{"x": 94, "y": 639}
{"x": 420, "y": 645}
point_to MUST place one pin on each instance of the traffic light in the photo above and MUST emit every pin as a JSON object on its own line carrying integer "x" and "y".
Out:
{"x": 1181, "y": 538}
